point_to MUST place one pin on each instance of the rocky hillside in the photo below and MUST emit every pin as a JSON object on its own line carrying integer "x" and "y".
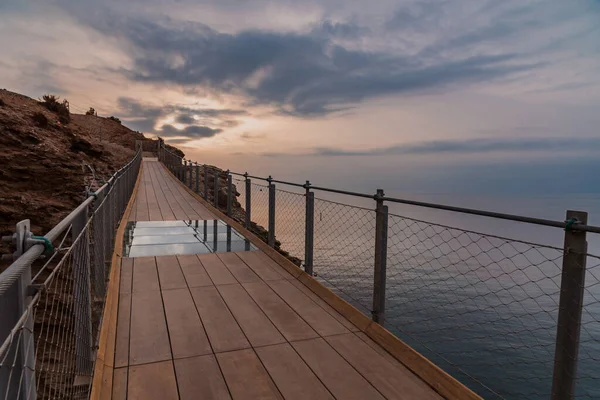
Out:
{"x": 47, "y": 159}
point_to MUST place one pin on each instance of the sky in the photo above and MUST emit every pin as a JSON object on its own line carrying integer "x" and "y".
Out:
{"x": 425, "y": 96}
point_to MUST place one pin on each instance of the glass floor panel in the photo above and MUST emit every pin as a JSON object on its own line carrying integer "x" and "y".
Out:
{"x": 161, "y": 238}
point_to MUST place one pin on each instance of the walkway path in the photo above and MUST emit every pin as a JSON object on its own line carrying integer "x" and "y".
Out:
{"x": 235, "y": 325}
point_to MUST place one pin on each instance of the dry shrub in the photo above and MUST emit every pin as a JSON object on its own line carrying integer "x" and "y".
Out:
{"x": 61, "y": 108}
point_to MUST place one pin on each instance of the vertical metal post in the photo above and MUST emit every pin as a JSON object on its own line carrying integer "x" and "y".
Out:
{"x": 205, "y": 182}
{"x": 379, "y": 274}
{"x": 271, "y": 233}
{"x": 572, "y": 287}
{"x": 216, "y": 189}
{"x": 99, "y": 265}
{"x": 82, "y": 295}
{"x": 197, "y": 178}
{"x": 229, "y": 193}
{"x": 190, "y": 170}
{"x": 309, "y": 229}
{"x": 248, "y": 200}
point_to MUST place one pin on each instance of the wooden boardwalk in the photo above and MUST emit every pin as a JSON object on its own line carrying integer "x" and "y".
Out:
{"x": 235, "y": 325}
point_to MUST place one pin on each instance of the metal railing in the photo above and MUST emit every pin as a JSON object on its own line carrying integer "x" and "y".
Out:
{"x": 508, "y": 316}
{"x": 50, "y": 313}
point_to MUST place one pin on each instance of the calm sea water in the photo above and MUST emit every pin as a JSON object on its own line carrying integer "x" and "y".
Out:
{"x": 477, "y": 296}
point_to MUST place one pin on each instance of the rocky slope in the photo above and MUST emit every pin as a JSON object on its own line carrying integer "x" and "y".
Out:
{"x": 46, "y": 163}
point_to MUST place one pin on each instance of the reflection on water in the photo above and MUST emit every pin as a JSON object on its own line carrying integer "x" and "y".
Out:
{"x": 160, "y": 238}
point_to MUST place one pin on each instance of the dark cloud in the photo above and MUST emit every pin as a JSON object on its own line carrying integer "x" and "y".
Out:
{"x": 252, "y": 137}
{"x": 185, "y": 119}
{"x": 180, "y": 141}
{"x": 340, "y": 30}
{"x": 191, "y": 131}
{"x": 471, "y": 146}
{"x": 305, "y": 74}
{"x": 144, "y": 117}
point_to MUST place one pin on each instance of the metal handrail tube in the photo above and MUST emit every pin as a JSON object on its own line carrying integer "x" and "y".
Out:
{"x": 471, "y": 211}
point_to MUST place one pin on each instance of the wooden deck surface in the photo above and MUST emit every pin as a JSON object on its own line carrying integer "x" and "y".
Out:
{"x": 235, "y": 325}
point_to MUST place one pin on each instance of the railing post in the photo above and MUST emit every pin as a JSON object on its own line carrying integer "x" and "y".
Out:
{"x": 271, "y": 233}
{"x": 229, "y": 193}
{"x": 572, "y": 287}
{"x": 82, "y": 294}
{"x": 185, "y": 173}
{"x": 99, "y": 264}
{"x": 379, "y": 273}
{"x": 248, "y": 200}
{"x": 197, "y": 178}
{"x": 216, "y": 189}
{"x": 309, "y": 229}
{"x": 205, "y": 182}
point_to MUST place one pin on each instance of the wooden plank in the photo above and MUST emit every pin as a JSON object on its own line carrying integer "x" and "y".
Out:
{"x": 107, "y": 383}
{"x": 126, "y": 275}
{"x": 119, "y": 389}
{"x": 275, "y": 266}
{"x": 357, "y": 318}
{"x": 283, "y": 317}
{"x": 312, "y": 313}
{"x": 169, "y": 273}
{"x": 362, "y": 336}
{"x": 145, "y": 276}
{"x": 149, "y": 338}
{"x": 185, "y": 329}
{"x": 246, "y": 377}
{"x": 255, "y": 324}
{"x": 291, "y": 375}
{"x": 238, "y": 268}
{"x": 433, "y": 375}
{"x": 123, "y": 323}
{"x": 259, "y": 266}
{"x": 338, "y": 376}
{"x": 217, "y": 271}
{"x": 152, "y": 381}
{"x": 222, "y": 329}
{"x": 200, "y": 378}
{"x": 194, "y": 272}
{"x": 338, "y": 317}
{"x": 392, "y": 380}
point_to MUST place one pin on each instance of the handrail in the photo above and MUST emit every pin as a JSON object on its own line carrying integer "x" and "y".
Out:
{"x": 463, "y": 210}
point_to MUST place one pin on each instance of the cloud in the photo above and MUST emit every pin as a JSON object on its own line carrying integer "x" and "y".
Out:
{"x": 340, "y": 30}
{"x": 190, "y": 131}
{"x": 145, "y": 117}
{"x": 185, "y": 119}
{"x": 471, "y": 146}
{"x": 252, "y": 137}
{"x": 308, "y": 74}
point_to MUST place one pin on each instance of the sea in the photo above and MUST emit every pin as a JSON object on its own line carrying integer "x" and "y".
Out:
{"x": 477, "y": 296}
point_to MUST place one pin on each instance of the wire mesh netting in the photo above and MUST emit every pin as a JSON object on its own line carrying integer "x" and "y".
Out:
{"x": 239, "y": 212}
{"x": 482, "y": 307}
{"x": 344, "y": 240}
{"x": 290, "y": 221}
{"x": 260, "y": 204}
{"x": 588, "y": 379}
{"x": 50, "y": 352}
